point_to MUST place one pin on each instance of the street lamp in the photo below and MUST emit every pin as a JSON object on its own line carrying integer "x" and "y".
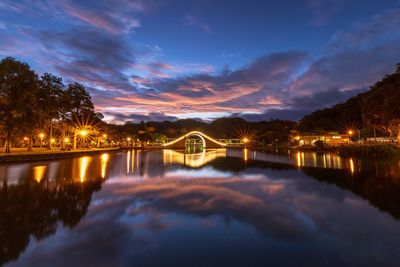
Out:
{"x": 246, "y": 140}
{"x": 83, "y": 133}
{"x": 351, "y": 132}
{"x": 41, "y": 136}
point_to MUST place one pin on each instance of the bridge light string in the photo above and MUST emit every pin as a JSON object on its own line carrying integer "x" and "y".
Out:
{"x": 194, "y": 133}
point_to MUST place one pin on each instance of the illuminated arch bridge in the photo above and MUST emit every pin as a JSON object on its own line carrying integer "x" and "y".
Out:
{"x": 207, "y": 141}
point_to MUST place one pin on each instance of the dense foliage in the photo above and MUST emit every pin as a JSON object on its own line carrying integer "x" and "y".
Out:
{"x": 37, "y": 107}
{"x": 375, "y": 110}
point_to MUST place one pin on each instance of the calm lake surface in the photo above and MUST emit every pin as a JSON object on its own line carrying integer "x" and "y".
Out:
{"x": 217, "y": 208}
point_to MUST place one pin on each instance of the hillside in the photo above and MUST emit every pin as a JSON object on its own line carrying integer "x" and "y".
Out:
{"x": 378, "y": 108}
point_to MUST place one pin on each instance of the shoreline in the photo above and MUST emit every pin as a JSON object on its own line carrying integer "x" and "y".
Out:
{"x": 17, "y": 157}
{"x": 362, "y": 151}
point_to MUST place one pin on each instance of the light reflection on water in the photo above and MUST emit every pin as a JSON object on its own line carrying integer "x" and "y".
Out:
{"x": 214, "y": 208}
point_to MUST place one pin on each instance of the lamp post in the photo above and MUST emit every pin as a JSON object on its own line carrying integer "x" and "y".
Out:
{"x": 41, "y": 136}
{"x": 245, "y": 141}
{"x": 66, "y": 141}
{"x": 104, "y": 139}
{"x": 83, "y": 134}
{"x": 351, "y": 132}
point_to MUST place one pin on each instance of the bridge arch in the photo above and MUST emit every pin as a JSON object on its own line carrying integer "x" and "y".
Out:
{"x": 208, "y": 141}
{"x": 198, "y": 135}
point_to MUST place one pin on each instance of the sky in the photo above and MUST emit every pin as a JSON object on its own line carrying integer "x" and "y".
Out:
{"x": 173, "y": 59}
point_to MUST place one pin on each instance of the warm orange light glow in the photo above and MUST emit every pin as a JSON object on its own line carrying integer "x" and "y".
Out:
{"x": 83, "y": 133}
{"x": 26, "y": 138}
{"x": 41, "y": 135}
{"x": 103, "y": 164}
{"x": 297, "y": 138}
{"x": 245, "y": 154}
{"x": 192, "y": 160}
{"x": 83, "y": 167}
{"x": 197, "y": 133}
{"x": 128, "y": 162}
{"x": 350, "y": 132}
{"x": 39, "y": 172}
{"x": 104, "y": 136}
{"x": 298, "y": 159}
{"x": 351, "y": 165}
{"x": 52, "y": 140}
{"x": 246, "y": 140}
{"x": 128, "y": 139}
{"x": 66, "y": 140}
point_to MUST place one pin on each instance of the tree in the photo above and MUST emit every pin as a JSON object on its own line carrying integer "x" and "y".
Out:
{"x": 51, "y": 93}
{"x": 80, "y": 102}
{"x": 378, "y": 108}
{"x": 382, "y": 105}
{"x": 18, "y": 97}
{"x": 79, "y": 108}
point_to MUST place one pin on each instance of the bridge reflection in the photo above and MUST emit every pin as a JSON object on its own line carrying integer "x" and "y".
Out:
{"x": 192, "y": 160}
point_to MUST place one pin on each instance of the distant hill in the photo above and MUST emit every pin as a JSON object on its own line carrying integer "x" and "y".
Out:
{"x": 378, "y": 108}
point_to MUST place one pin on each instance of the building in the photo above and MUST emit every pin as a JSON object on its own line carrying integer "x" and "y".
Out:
{"x": 329, "y": 138}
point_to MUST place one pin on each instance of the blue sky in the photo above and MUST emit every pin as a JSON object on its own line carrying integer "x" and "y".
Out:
{"x": 169, "y": 59}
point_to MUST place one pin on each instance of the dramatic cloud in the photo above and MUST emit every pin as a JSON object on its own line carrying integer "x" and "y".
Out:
{"x": 114, "y": 48}
{"x": 92, "y": 57}
{"x": 258, "y": 84}
{"x": 301, "y": 105}
{"x": 151, "y": 116}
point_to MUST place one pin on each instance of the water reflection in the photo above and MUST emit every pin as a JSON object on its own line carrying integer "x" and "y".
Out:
{"x": 167, "y": 207}
{"x": 32, "y": 211}
{"x": 83, "y": 167}
{"x": 325, "y": 160}
{"x": 104, "y": 161}
{"x": 192, "y": 160}
{"x": 38, "y": 172}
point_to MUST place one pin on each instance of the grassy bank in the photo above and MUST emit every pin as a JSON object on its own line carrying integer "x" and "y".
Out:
{"x": 375, "y": 151}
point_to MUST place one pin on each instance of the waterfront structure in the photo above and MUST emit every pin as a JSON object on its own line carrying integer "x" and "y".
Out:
{"x": 330, "y": 138}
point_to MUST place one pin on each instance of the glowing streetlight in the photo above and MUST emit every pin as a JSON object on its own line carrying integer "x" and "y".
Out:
{"x": 66, "y": 140}
{"x": 26, "y": 138}
{"x": 52, "y": 140}
{"x": 246, "y": 140}
{"x": 41, "y": 136}
{"x": 83, "y": 133}
{"x": 104, "y": 136}
{"x": 351, "y": 132}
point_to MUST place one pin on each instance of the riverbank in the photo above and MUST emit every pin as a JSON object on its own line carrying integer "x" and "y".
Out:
{"x": 365, "y": 151}
{"x": 39, "y": 155}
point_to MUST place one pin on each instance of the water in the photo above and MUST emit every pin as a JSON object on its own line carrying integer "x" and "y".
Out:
{"x": 218, "y": 208}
